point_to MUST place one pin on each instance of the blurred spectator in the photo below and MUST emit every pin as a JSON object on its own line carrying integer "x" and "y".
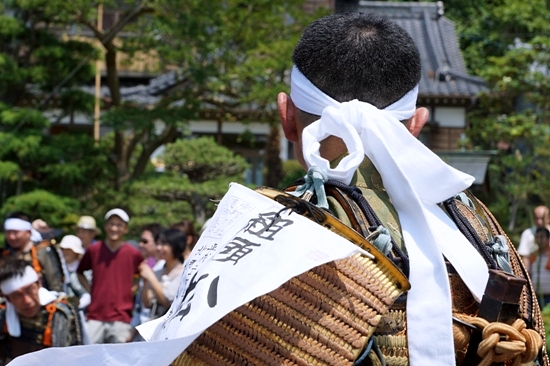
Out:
{"x": 87, "y": 230}
{"x": 114, "y": 263}
{"x": 188, "y": 227}
{"x": 71, "y": 247}
{"x": 43, "y": 257}
{"x": 540, "y": 268}
{"x": 160, "y": 287}
{"x": 148, "y": 247}
{"x": 42, "y": 231}
{"x": 33, "y": 318}
{"x": 527, "y": 248}
{"x": 148, "y": 243}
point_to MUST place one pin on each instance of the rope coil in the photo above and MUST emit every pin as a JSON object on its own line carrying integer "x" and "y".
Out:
{"x": 500, "y": 342}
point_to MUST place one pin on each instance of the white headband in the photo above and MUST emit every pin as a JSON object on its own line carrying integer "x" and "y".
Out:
{"x": 307, "y": 97}
{"x": 16, "y": 282}
{"x": 416, "y": 180}
{"x": 17, "y": 224}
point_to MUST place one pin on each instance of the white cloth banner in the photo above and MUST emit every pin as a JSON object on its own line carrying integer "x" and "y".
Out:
{"x": 251, "y": 246}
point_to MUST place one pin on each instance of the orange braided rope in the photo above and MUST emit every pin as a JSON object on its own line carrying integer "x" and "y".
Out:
{"x": 47, "y": 341}
{"x": 35, "y": 263}
{"x": 502, "y": 342}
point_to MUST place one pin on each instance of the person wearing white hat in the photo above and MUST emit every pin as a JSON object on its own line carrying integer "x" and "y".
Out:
{"x": 43, "y": 256}
{"x": 71, "y": 247}
{"x": 114, "y": 263}
{"x": 33, "y": 317}
{"x": 87, "y": 230}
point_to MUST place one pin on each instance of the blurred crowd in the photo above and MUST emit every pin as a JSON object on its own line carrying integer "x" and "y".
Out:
{"x": 533, "y": 247}
{"x": 84, "y": 289}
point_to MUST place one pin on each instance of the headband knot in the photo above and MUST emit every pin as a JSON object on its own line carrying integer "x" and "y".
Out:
{"x": 410, "y": 171}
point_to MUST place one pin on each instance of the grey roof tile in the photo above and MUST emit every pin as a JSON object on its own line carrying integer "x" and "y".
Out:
{"x": 443, "y": 69}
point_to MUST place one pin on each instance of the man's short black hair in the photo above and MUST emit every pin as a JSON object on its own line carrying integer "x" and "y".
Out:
{"x": 12, "y": 267}
{"x": 18, "y": 215}
{"x": 359, "y": 56}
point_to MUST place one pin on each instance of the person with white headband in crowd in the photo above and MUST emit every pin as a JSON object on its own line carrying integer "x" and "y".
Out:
{"x": 43, "y": 256}
{"x": 33, "y": 318}
{"x": 352, "y": 117}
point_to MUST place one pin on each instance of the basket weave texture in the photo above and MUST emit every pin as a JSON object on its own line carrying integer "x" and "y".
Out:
{"x": 325, "y": 316}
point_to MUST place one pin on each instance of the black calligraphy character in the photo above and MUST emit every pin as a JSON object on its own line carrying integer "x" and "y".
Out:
{"x": 267, "y": 225}
{"x": 235, "y": 250}
{"x": 189, "y": 290}
{"x": 213, "y": 292}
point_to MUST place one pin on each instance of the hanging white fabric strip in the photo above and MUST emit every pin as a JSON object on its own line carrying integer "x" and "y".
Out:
{"x": 416, "y": 180}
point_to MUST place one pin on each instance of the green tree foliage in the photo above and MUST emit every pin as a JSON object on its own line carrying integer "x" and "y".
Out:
{"x": 514, "y": 116}
{"x": 234, "y": 57}
{"x": 33, "y": 62}
{"x": 230, "y": 58}
{"x": 292, "y": 171}
{"x": 488, "y": 28}
{"x": 197, "y": 172}
{"x": 506, "y": 43}
{"x": 58, "y": 211}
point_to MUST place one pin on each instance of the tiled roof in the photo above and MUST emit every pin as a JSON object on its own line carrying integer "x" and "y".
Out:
{"x": 443, "y": 70}
{"x": 143, "y": 94}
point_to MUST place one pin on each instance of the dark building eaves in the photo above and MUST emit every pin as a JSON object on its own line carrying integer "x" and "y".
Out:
{"x": 443, "y": 69}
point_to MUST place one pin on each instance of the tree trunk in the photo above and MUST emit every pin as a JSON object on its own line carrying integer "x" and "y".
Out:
{"x": 169, "y": 135}
{"x": 116, "y": 100}
{"x": 513, "y": 214}
{"x": 112, "y": 74}
{"x": 219, "y": 133}
{"x": 19, "y": 187}
{"x": 274, "y": 173}
{"x": 198, "y": 205}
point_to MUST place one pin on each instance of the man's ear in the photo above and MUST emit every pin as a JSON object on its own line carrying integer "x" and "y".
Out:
{"x": 417, "y": 121}
{"x": 287, "y": 113}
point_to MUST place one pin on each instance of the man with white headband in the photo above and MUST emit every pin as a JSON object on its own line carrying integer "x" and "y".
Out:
{"x": 32, "y": 317}
{"x": 352, "y": 117}
{"x": 42, "y": 256}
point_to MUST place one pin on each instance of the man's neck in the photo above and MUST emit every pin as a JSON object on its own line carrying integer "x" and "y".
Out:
{"x": 113, "y": 245}
{"x": 170, "y": 265}
{"x": 25, "y": 248}
{"x": 332, "y": 147}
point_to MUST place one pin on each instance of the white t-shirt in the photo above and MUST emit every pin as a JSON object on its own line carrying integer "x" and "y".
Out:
{"x": 540, "y": 265}
{"x": 527, "y": 244}
{"x": 170, "y": 284}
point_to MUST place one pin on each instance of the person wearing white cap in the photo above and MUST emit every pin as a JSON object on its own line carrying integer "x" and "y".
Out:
{"x": 114, "y": 263}
{"x": 87, "y": 230}
{"x": 43, "y": 256}
{"x": 33, "y": 317}
{"x": 71, "y": 247}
